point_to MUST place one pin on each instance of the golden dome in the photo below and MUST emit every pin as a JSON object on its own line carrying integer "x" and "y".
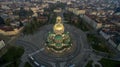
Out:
{"x": 58, "y": 19}
{"x": 58, "y": 28}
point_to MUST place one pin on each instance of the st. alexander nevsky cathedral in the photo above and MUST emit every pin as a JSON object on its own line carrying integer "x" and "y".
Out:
{"x": 58, "y": 40}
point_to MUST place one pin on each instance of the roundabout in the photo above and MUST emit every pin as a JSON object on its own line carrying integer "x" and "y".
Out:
{"x": 59, "y": 48}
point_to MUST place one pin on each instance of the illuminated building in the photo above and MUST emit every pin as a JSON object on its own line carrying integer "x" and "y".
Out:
{"x": 58, "y": 40}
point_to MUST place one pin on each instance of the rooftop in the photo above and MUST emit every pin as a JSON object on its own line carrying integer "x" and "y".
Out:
{"x": 6, "y": 28}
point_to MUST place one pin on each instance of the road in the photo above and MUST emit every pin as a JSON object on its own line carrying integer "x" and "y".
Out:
{"x": 28, "y": 47}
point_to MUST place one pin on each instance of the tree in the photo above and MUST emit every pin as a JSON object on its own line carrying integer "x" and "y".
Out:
{"x": 22, "y": 13}
{"x": 7, "y": 22}
{"x": 27, "y": 65}
{"x": 21, "y": 24}
{"x": 16, "y": 12}
{"x": 30, "y": 12}
{"x": 13, "y": 53}
{"x": 2, "y": 21}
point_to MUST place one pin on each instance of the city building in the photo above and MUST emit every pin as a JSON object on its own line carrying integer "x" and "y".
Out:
{"x": 9, "y": 31}
{"x": 3, "y": 49}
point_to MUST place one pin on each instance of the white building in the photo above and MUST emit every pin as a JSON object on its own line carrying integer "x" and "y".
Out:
{"x": 111, "y": 40}
{"x": 57, "y": 10}
{"x": 76, "y": 11}
{"x": 2, "y": 48}
{"x": 104, "y": 35}
{"x": 2, "y": 44}
{"x": 95, "y": 25}
{"x": 114, "y": 44}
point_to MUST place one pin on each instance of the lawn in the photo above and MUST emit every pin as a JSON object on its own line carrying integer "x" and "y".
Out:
{"x": 32, "y": 27}
{"x": 105, "y": 63}
{"x": 12, "y": 56}
{"x": 89, "y": 64}
{"x": 82, "y": 26}
{"x": 14, "y": 64}
{"x": 5, "y": 38}
{"x": 109, "y": 63}
{"x": 27, "y": 65}
{"x": 98, "y": 44}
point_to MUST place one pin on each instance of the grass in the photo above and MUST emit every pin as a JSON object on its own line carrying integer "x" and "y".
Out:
{"x": 105, "y": 63}
{"x": 27, "y": 65}
{"x": 97, "y": 65}
{"x": 12, "y": 55}
{"x": 5, "y": 38}
{"x": 82, "y": 26}
{"x": 89, "y": 64}
{"x": 98, "y": 44}
{"x": 14, "y": 64}
{"x": 109, "y": 63}
{"x": 32, "y": 27}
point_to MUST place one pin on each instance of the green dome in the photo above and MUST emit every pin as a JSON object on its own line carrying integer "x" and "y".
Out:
{"x": 58, "y": 44}
{"x": 58, "y": 37}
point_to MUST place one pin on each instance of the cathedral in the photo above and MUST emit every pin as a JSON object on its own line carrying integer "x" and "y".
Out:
{"x": 58, "y": 40}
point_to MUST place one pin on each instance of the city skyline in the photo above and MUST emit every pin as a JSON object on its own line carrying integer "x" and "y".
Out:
{"x": 59, "y": 33}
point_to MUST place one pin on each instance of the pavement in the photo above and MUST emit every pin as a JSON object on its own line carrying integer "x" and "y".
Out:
{"x": 95, "y": 59}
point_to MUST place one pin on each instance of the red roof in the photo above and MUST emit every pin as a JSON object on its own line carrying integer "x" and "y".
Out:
{"x": 6, "y": 28}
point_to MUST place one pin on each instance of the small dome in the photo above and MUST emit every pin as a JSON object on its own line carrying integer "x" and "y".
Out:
{"x": 58, "y": 19}
{"x": 58, "y": 39}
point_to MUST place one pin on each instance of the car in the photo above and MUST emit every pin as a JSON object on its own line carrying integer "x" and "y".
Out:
{"x": 31, "y": 58}
{"x": 36, "y": 64}
{"x": 42, "y": 66}
{"x": 72, "y": 65}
